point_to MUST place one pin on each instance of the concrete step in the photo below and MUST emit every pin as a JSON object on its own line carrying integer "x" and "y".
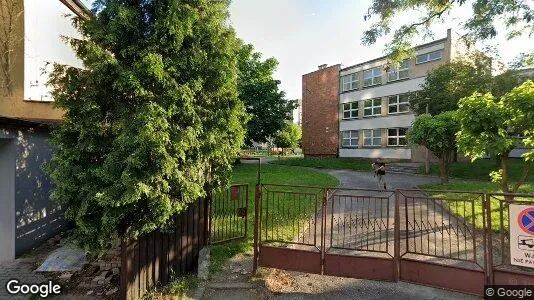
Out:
{"x": 403, "y": 169}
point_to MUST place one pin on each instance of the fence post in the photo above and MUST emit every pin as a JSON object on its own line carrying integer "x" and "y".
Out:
{"x": 323, "y": 228}
{"x": 257, "y": 198}
{"x": 488, "y": 239}
{"x": 207, "y": 219}
{"x": 259, "y": 171}
{"x": 124, "y": 273}
{"x": 396, "y": 240}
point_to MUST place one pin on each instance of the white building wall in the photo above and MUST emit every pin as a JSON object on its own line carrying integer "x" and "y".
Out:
{"x": 397, "y": 153}
{"x": 389, "y": 89}
{"x": 391, "y": 121}
{"x": 45, "y": 22}
{"x": 382, "y": 62}
{"x": 429, "y": 49}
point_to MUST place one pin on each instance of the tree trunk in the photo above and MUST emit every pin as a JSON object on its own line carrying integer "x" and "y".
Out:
{"x": 505, "y": 188}
{"x": 504, "y": 179}
{"x": 444, "y": 169}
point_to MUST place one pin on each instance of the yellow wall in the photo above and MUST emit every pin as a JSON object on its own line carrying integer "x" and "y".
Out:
{"x": 14, "y": 105}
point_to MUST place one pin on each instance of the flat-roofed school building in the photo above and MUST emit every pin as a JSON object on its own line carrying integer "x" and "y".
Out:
{"x": 363, "y": 110}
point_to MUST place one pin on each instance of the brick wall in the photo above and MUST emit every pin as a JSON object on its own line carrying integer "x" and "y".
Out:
{"x": 320, "y": 112}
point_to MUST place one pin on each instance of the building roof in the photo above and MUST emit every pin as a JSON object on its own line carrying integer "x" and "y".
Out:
{"x": 384, "y": 57}
{"x": 77, "y": 7}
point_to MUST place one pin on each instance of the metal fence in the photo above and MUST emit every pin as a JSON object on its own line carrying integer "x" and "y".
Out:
{"x": 435, "y": 237}
{"x": 228, "y": 214}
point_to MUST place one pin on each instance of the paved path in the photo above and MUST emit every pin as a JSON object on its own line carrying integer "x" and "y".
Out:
{"x": 353, "y": 179}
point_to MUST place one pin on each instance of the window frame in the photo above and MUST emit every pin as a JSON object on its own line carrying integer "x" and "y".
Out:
{"x": 397, "y": 137}
{"x": 372, "y": 107}
{"x": 353, "y": 82}
{"x": 398, "y": 104}
{"x": 372, "y": 137}
{"x": 373, "y": 77}
{"x": 350, "y": 110}
{"x": 403, "y": 67}
{"x": 350, "y": 138}
{"x": 427, "y": 57}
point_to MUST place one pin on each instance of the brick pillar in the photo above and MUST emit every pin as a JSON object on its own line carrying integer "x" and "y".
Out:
{"x": 320, "y": 112}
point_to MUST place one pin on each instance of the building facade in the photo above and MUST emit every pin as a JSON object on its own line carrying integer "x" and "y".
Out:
{"x": 28, "y": 215}
{"x": 362, "y": 110}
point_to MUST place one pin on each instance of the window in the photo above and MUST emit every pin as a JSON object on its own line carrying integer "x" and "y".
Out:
{"x": 372, "y": 107}
{"x": 372, "y": 137}
{"x": 350, "y": 110}
{"x": 397, "y": 136}
{"x": 427, "y": 57}
{"x": 398, "y": 104}
{"x": 349, "y": 82}
{"x": 401, "y": 72}
{"x": 349, "y": 139}
{"x": 372, "y": 76}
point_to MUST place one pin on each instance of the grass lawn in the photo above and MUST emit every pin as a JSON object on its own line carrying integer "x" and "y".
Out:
{"x": 328, "y": 163}
{"x": 270, "y": 174}
{"x": 464, "y": 209}
{"x": 480, "y": 169}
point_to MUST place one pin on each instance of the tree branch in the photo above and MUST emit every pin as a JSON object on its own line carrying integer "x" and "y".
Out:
{"x": 424, "y": 21}
{"x": 523, "y": 178}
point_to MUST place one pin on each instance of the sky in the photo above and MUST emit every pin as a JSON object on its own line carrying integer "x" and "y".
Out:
{"x": 303, "y": 34}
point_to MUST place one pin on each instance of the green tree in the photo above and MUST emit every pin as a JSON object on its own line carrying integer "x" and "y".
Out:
{"x": 151, "y": 122}
{"x": 508, "y": 80}
{"x": 523, "y": 60}
{"x": 264, "y": 102}
{"x": 437, "y": 133}
{"x": 490, "y": 126}
{"x": 518, "y": 17}
{"x": 289, "y": 136}
{"x": 445, "y": 85}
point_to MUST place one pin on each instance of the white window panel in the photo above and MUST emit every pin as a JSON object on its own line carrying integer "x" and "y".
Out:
{"x": 428, "y": 57}
{"x": 372, "y": 76}
{"x": 400, "y": 72}
{"x": 397, "y": 136}
{"x": 349, "y": 82}
{"x": 349, "y": 139}
{"x": 372, "y": 137}
{"x": 398, "y": 104}
{"x": 372, "y": 107}
{"x": 350, "y": 110}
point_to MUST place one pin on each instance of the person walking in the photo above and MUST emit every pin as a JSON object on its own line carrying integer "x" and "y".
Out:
{"x": 379, "y": 168}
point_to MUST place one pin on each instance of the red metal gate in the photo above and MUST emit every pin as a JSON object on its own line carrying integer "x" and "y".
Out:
{"x": 436, "y": 238}
{"x": 359, "y": 234}
{"x": 440, "y": 244}
{"x": 228, "y": 212}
